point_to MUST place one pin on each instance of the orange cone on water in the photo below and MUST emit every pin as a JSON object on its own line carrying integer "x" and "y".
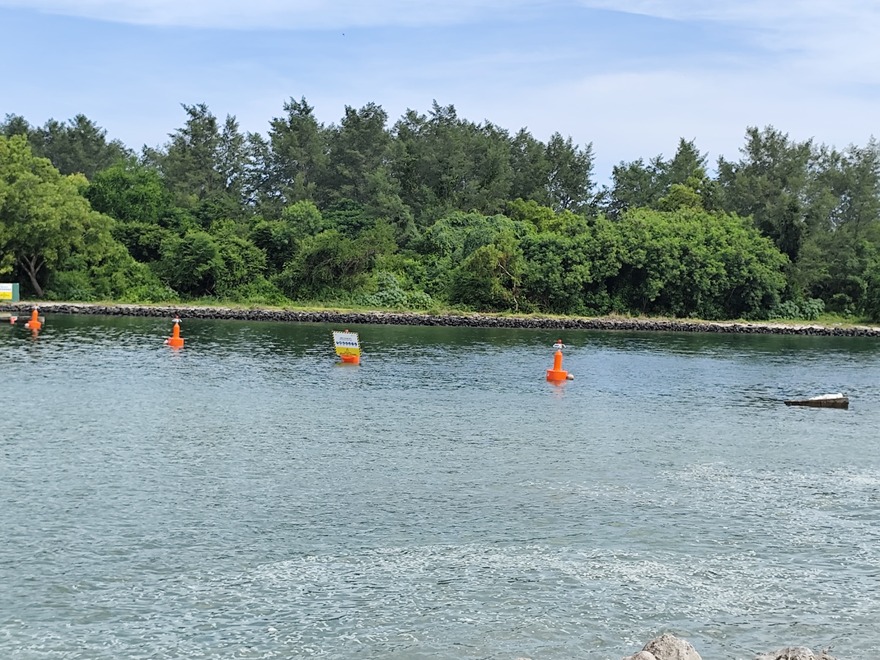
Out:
{"x": 34, "y": 323}
{"x": 557, "y": 373}
{"x": 175, "y": 341}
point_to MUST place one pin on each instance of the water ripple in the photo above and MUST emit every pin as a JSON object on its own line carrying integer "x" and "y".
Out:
{"x": 245, "y": 498}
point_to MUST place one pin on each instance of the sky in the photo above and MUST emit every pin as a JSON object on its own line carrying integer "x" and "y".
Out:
{"x": 629, "y": 77}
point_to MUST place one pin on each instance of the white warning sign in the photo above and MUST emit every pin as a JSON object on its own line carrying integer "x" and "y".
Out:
{"x": 346, "y": 343}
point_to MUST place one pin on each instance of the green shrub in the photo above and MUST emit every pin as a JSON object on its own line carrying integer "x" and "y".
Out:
{"x": 70, "y": 285}
{"x": 808, "y": 310}
{"x": 258, "y": 291}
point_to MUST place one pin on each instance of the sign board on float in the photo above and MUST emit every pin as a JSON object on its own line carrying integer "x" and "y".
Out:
{"x": 346, "y": 343}
{"x": 9, "y": 292}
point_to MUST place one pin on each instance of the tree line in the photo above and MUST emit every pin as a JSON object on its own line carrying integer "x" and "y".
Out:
{"x": 435, "y": 211}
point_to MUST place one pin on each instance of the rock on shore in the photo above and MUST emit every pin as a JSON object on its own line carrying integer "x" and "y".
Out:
{"x": 465, "y": 320}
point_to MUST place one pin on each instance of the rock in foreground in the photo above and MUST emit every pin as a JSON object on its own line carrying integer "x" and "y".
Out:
{"x": 795, "y": 653}
{"x": 669, "y": 647}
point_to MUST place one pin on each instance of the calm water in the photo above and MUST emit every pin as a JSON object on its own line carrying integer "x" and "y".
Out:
{"x": 247, "y": 498}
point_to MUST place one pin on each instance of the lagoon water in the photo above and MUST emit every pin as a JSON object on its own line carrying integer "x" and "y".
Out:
{"x": 246, "y": 497}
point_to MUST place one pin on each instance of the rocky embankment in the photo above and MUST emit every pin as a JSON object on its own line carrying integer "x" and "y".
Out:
{"x": 466, "y": 320}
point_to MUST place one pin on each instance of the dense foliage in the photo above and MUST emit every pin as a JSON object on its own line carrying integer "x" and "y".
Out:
{"x": 436, "y": 211}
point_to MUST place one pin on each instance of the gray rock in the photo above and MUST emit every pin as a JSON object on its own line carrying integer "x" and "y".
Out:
{"x": 667, "y": 647}
{"x": 794, "y": 653}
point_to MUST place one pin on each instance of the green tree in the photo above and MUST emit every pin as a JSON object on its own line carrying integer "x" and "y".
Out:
{"x": 211, "y": 263}
{"x": 489, "y": 278}
{"x": 445, "y": 164}
{"x": 77, "y": 146}
{"x": 771, "y": 183}
{"x": 689, "y": 262}
{"x": 134, "y": 195}
{"x": 448, "y": 248}
{"x": 296, "y": 159}
{"x": 129, "y": 191}
{"x": 531, "y": 170}
{"x": 836, "y": 267}
{"x": 240, "y": 262}
{"x": 204, "y": 166}
{"x": 107, "y": 274}
{"x": 545, "y": 219}
{"x": 570, "y": 261}
{"x": 15, "y": 125}
{"x": 660, "y": 184}
{"x": 280, "y": 239}
{"x": 329, "y": 264}
{"x": 190, "y": 263}
{"x": 634, "y": 185}
{"x": 558, "y": 270}
{"x": 45, "y": 218}
{"x": 870, "y": 304}
{"x": 359, "y": 153}
{"x": 569, "y": 183}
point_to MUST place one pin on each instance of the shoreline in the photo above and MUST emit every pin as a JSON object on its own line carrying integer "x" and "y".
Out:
{"x": 450, "y": 320}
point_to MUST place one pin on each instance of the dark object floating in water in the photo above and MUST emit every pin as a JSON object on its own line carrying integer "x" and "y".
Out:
{"x": 823, "y": 401}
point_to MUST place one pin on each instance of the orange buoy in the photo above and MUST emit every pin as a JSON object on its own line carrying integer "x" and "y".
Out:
{"x": 175, "y": 341}
{"x": 557, "y": 373}
{"x": 34, "y": 323}
{"x": 350, "y": 359}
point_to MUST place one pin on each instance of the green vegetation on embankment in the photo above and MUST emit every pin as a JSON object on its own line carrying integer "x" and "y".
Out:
{"x": 437, "y": 213}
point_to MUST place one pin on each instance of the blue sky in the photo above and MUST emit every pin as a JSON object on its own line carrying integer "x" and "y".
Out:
{"x": 630, "y": 77}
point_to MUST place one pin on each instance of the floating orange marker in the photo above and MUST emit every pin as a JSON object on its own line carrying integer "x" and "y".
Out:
{"x": 34, "y": 323}
{"x": 557, "y": 373}
{"x": 175, "y": 341}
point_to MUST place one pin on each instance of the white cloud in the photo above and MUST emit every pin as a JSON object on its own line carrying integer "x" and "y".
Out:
{"x": 643, "y": 114}
{"x": 809, "y": 67}
{"x": 283, "y": 14}
{"x": 828, "y": 37}
{"x": 740, "y": 11}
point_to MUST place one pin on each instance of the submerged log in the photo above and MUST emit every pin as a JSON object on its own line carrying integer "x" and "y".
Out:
{"x": 823, "y": 401}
